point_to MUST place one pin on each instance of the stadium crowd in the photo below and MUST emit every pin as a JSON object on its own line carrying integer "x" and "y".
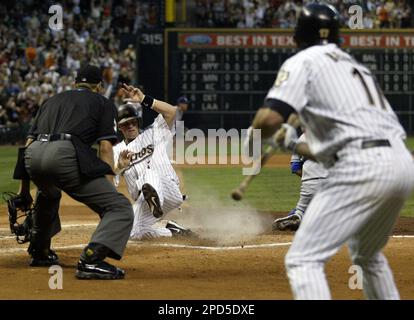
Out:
{"x": 36, "y": 62}
{"x": 282, "y": 14}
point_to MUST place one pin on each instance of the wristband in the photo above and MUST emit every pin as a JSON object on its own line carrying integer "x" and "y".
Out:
{"x": 148, "y": 101}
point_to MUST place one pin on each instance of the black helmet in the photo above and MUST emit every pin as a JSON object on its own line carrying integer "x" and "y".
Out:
{"x": 128, "y": 112}
{"x": 317, "y": 23}
{"x": 183, "y": 99}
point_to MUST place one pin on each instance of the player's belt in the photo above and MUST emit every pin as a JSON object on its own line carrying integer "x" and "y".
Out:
{"x": 366, "y": 144}
{"x": 375, "y": 143}
{"x": 45, "y": 137}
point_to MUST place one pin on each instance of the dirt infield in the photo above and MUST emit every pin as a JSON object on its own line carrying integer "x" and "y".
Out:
{"x": 244, "y": 265}
{"x": 182, "y": 268}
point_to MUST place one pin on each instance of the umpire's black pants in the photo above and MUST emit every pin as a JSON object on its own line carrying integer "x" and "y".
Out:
{"x": 53, "y": 166}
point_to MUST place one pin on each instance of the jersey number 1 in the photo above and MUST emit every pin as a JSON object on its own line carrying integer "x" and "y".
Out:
{"x": 358, "y": 74}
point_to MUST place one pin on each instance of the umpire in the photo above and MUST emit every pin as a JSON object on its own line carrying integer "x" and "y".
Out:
{"x": 59, "y": 157}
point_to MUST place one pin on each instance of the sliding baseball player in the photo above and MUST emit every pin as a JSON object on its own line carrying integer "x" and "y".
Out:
{"x": 143, "y": 161}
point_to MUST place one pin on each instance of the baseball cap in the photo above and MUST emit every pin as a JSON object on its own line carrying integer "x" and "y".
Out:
{"x": 183, "y": 99}
{"x": 89, "y": 74}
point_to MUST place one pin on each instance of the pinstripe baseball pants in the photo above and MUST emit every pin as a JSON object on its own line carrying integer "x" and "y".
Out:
{"x": 308, "y": 189}
{"x": 357, "y": 204}
{"x": 170, "y": 198}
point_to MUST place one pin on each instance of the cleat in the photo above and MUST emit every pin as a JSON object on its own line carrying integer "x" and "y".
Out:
{"x": 178, "y": 230}
{"x": 290, "y": 223}
{"x": 151, "y": 197}
{"x": 99, "y": 270}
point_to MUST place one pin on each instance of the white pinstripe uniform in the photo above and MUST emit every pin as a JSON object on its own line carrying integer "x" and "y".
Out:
{"x": 313, "y": 174}
{"x": 341, "y": 106}
{"x": 150, "y": 165}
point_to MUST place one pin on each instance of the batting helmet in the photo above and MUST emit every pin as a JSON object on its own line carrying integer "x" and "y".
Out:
{"x": 128, "y": 112}
{"x": 316, "y": 24}
{"x": 183, "y": 99}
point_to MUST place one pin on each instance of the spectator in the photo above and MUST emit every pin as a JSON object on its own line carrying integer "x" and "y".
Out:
{"x": 3, "y": 117}
{"x": 12, "y": 113}
{"x": 383, "y": 16}
{"x": 36, "y": 62}
{"x": 250, "y": 21}
{"x": 406, "y": 16}
{"x": 282, "y": 14}
{"x": 368, "y": 20}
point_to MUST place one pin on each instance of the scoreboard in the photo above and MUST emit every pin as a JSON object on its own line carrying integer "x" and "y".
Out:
{"x": 226, "y": 73}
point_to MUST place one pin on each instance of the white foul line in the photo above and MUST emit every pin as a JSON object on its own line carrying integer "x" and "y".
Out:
{"x": 17, "y": 250}
{"x": 249, "y": 246}
{"x": 167, "y": 245}
{"x": 64, "y": 226}
{"x": 182, "y": 246}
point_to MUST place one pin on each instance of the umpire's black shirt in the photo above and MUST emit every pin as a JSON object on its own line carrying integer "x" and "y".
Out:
{"x": 88, "y": 117}
{"x": 82, "y": 113}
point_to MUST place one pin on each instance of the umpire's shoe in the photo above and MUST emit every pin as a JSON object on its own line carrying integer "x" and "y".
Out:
{"x": 44, "y": 258}
{"x": 92, "y": 265}
{"x": 290, "y": 223}
{"x": 98, "y": 270}
{"x": 153, "y": 200}
{"x": 178, "y": 230}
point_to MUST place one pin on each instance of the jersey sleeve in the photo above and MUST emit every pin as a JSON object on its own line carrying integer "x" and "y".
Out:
{"x": 290, "y": 84}
{"x": 32, "y": 133}
{"x": 162, "y": 131}
{"x": 33, "y": 128}
{"x": 117, "y": 150}
{"x": 160, "y": 123}
{"x": 107, "y": 124}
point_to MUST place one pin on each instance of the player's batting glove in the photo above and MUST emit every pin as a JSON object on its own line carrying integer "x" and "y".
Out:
{"x": 291, "y": 137}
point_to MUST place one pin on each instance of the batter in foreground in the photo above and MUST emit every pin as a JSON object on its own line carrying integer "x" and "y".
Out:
{"x": 352, "y": 130}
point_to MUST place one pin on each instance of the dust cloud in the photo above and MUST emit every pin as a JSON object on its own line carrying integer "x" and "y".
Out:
{"x": 221, "y": 221}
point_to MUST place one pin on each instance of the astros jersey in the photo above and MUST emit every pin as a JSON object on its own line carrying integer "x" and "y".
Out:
{"x": 311, "y": 169}
{"x": 149, "y": 150}
{"x": 316, "y": 82}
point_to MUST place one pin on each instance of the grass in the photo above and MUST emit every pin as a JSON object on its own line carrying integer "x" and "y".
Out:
{"x": 410, "y": 143}
{"x": 268, "y": 191}
{"x": 8, "y": 156}
{"x": 275, "y": 189}
{"x": 234, "y": 148}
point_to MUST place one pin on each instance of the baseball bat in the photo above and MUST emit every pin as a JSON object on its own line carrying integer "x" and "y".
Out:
{"x": 237, "y": 194}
